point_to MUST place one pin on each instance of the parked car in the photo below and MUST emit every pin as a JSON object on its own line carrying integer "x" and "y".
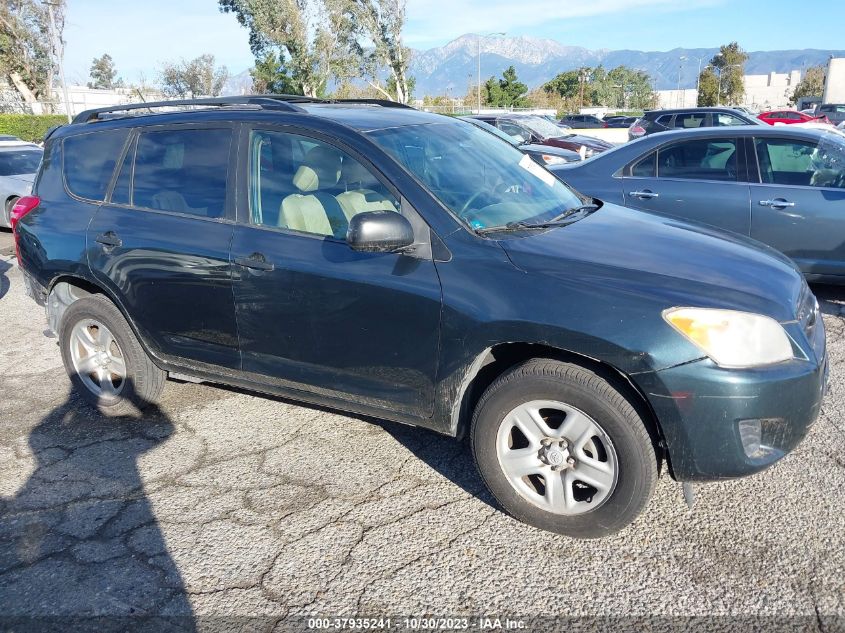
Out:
{"x": 835, "y": 112}
{"x": 404, "y": 265}
{"x": 582, "y": 121}
{"x": 784, "y": 186}
{"x": 789, "y": 117}
{"x": 543, "y": 154}
{"x": 18, "y": 164}
{"x": 620, "y": 121}
{"x": 688, "y": 119}
{"x": 552, "y": 119}
{"x": 538, "y": 131}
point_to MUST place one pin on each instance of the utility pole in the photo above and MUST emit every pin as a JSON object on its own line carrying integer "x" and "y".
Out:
{"x": 680, "y": 68}
{"x": 58, "y": 51}
{"x": 478, "y": 88}
{"x": 582, "y": 76}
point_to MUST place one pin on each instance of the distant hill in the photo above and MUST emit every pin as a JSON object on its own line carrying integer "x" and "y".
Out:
{"x": 452, "y": 68}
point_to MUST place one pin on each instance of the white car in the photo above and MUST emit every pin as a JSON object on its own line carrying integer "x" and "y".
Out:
{"x": 19, "y": 162}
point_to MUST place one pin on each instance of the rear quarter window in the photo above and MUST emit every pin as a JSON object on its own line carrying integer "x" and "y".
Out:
{"x": 89, "y": 161}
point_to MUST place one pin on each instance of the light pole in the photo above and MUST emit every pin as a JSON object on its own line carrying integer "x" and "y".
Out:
{"x": 681, "y": 60}
{"x": 478, "y": 88}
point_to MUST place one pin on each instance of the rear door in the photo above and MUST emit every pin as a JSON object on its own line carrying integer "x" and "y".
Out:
{"x": 701, "y": 179}
{"x": 799, "y": 203}
{"x": 161, "y": 241}
{"x": 313, "y": 314}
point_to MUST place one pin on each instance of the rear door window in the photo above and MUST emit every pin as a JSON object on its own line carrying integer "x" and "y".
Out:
{"x": 690, "y": 121}
{"x": 89, "y": 161}
{"x": 185, "y": 171}
{"x": 645, "y": 167}
{"x": 701, "y": 159}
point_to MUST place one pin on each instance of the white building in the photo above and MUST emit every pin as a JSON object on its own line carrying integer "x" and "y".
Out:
{"x": 772, "y": 91}
{"x": 762, "y": 92}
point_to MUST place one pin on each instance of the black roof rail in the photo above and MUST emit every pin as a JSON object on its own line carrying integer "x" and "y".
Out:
{"x": 384, "y": 103}
{"x": 273, "y": 101}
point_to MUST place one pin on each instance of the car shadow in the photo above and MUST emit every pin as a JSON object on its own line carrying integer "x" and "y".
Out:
{"x": 80, "y": 546}
{"x": 446, "y": 455}
{"x": 831, "y": 298}
{"x": 4, "y": 280}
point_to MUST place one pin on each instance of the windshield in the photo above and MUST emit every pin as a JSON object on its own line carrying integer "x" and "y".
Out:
{"x": 19, "y": 162}
{"x": 541, "y": 127}
{"x": 482, "y": 181}
{"x": 492, "y": 129}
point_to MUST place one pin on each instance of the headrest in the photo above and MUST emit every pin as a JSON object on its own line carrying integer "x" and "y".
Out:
{"x": 319, "y": 170}
{"x": 354, "y": 172}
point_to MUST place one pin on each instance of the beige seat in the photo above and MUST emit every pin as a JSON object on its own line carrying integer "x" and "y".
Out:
{"x": 359, "y": 197}
{"x": 306, "y": 211}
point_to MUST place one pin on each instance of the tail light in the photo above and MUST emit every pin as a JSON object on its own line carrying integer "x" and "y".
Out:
{"x": 22, "y": 207}
{"x": 604, "y": 124}
{"x": 636, "y": 130}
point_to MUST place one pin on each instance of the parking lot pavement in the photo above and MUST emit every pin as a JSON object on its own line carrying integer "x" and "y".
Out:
{"x": 225, "y": 503}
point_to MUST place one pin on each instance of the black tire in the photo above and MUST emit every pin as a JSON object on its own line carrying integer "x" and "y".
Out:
{"x": 543, "y": 379}
{"x": 144, "y": 381}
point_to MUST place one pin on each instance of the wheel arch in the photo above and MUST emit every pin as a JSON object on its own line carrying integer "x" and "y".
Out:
{"x": 496, "y": 360}
{"x": 65, "y": 289}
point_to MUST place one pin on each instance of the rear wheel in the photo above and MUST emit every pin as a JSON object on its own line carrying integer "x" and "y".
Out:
{"x": 104, "y": 359}
{"x": 562, "y": 450}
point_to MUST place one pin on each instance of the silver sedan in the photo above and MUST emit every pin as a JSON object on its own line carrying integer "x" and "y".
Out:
{"x": 18, "y": 164}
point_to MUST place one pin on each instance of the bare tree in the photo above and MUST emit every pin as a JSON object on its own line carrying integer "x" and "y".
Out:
{"x": 194, "y": 78}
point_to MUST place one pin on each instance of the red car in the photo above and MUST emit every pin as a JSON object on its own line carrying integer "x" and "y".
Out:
{"x": 790, "y": 116}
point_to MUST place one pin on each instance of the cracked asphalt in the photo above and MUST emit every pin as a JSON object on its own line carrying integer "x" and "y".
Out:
{"x": 222, "y": 504}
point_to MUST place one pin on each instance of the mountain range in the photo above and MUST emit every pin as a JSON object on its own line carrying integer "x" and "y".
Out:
{"x": 451, "y": 69}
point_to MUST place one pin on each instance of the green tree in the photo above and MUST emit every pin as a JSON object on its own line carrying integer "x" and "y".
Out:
{"x": 708, "y": 88}
{"x": 103, "y": 73}
{"x": 194, "y": 78}
{"x": 811, "y": 84}
{"x": 27, "y": 52}
{"x": 566, "y": 84}
{"x": 380, "y": 24}
{"x": 507, "y": 92}
{"x": 729, "y": 65}
{"x": 271, "y": 76}
{"x": 313, "y": 37}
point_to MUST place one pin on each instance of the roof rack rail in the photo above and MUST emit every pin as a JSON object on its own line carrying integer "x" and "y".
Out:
{"x": 272, "y": 101}
{"x": 384, "y": 103}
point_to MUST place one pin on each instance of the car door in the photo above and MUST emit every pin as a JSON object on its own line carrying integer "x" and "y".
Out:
{"x": 161, "y": 241}
{"x": 700, "y": 179}
{"x": 799, "y": 203}
{"x": 313, "y": 314}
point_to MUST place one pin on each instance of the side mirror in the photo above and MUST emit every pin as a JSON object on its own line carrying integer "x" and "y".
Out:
{"x": 379, "y": 232}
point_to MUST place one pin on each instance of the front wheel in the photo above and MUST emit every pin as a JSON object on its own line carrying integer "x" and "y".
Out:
{"x": 562, "y": 450}
{"x": 104, "y": 359}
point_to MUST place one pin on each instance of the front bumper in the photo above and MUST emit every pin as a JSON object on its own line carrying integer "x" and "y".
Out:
{"x": 699, "y": 407}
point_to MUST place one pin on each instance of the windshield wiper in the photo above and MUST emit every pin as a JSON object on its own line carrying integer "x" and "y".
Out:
{"x": 558, "y": 220}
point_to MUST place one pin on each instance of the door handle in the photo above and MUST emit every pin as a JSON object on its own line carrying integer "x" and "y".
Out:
{"x": 256, "y": 261}
{"x": 644, "y": 195}
{"x": 108, "y": 240}
{"x": 777, "y": 203}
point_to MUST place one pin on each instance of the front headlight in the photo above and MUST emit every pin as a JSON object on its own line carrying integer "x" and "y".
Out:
{"x": 731, "y": 338}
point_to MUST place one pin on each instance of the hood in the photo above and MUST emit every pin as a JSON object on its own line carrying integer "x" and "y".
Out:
{"x": 589, "y": 141}
{"x": 663, "y": 261}
{"x": 551, "y": 151}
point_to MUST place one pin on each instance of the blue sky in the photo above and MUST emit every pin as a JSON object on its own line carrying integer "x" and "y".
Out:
{"x": 141, "y": 35}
